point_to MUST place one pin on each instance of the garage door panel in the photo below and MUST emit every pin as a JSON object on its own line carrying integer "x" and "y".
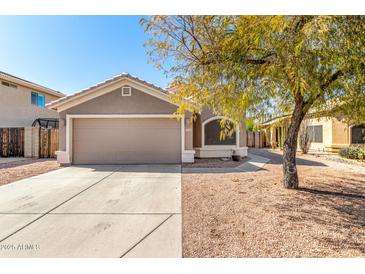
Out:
{"x": 126, "y": 141}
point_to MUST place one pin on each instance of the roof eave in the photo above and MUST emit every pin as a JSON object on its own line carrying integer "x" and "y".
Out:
{"x": 29, "y": 84}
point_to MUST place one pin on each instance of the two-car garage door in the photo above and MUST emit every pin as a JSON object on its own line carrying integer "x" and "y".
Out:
{"x": 126, "y": 141}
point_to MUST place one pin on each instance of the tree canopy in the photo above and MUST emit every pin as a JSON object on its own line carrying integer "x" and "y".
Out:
{"x": 262, "y": 65}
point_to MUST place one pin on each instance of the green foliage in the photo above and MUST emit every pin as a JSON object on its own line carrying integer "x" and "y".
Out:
{"x": 262, "y": 64}
{"x": 250, "y": 125}
{"x": 353, "y": 152}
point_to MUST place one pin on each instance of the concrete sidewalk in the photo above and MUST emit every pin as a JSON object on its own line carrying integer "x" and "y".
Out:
{"x": 93, "y": 211}
{"x": 254, "y": 163}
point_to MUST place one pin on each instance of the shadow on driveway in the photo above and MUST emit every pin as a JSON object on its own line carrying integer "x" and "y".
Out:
{"x": 277, "y": 159}
{"x": 148, "y": 168}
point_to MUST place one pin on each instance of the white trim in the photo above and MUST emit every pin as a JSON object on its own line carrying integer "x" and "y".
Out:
{"x": 213, "y": 152}
{"x": 126, "y": 91}
{"x": 185, "y": 154}
{"x": 350, "y": 133}
{"x": 219, "y": 152}
{"x": 182, "y": 135}
{"x": 224, "y": 147}
{"x": 107, "y": 116}
{"x": 231, "y": 148}
{"x": 216, "y": 118}
{"x": 69, "y": 127}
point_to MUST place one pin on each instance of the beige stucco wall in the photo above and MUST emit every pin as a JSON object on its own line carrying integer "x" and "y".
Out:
{"x": 197, "y": 130}
{"x": 326, "y": 123}
{"x": 16, "y": 109}
{"x": 114, "y": 103}
{"x": 340, "y": 132}
{"x": 335, "y": 133}
{"x": 205, "y": 115}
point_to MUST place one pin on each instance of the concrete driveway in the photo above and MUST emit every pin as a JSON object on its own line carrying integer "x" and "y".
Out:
{"x": 93, "y": 211}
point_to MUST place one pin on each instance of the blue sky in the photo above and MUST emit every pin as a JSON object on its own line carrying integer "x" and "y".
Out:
{"x": 69, "y": 53}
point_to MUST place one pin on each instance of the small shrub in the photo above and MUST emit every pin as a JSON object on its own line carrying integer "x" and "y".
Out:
{"x": 344, "y": 152}
{"x": 361, "y": 154}
{"x": 353, "y": 152}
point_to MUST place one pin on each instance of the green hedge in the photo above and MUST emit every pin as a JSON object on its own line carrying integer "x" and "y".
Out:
{"x": 353, "y": 152}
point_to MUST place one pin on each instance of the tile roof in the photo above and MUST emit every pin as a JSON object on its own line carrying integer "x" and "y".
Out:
{"x": 121, "y": 76}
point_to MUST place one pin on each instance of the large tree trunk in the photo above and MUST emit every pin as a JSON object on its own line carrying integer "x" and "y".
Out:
{"x": 290, "y": 179}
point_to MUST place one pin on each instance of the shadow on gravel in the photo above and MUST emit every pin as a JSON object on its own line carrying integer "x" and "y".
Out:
{"x": 23, "y": 162}
{"x": 338, "y": 207}
{"x": 332, "y": 193}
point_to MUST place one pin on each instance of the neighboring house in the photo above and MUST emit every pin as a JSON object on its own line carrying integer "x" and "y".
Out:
{"x": 22, "y": 102}
{"x": 125, "y": 120}
{"x": 328, "y": 134}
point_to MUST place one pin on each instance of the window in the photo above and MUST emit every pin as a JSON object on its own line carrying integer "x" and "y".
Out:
{"x": 316, "y": 133}
{"x": 358, "y": 134}
{"x": 34, "y": 98}
{"x": 38, "y": 99}
{"x": 212, "y": 131}
{"x": 10, "y": 85}
{"x": 126, "y": 91}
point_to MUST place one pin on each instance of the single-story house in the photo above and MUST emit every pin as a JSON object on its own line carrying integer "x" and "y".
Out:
{"x": 125, "y": 120}
{"x": 22, "y": 101}
{"x": 328, "y": 134}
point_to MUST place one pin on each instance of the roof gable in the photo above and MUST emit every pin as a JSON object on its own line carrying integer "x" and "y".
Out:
{"x": 114, "y": 103}
{"x": 107, "y": 86}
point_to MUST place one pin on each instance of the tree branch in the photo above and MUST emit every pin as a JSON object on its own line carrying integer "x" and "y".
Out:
{"x": 333, "y": 78}
{"x": 323, "y": 87}
{"x": 303, "y": 20}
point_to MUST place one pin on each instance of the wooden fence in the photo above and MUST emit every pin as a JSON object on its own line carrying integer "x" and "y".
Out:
{"x": 48, "y": 142}
{"x": 40, "y": 142}
{"x": 251, "y": 139}
{"x": 256, "y": 139}
{"x": 11, "y": 142}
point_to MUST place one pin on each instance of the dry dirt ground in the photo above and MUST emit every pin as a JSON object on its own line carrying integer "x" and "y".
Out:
{"x": 252, "y": 215}
{"x": 14, "y": 171}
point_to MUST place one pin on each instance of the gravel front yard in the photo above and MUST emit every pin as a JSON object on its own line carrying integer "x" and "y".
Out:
{"x": 337, "y": 158}
{"x": 215, "y": 163}
{"x": 252, "y": 215}
{"x": 17, "y": 170}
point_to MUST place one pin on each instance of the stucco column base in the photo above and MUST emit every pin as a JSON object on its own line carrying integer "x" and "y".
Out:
{"x": 187, "y": 156}
{"x": 242, "y": 151}
{"x": 63, "y": 158}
